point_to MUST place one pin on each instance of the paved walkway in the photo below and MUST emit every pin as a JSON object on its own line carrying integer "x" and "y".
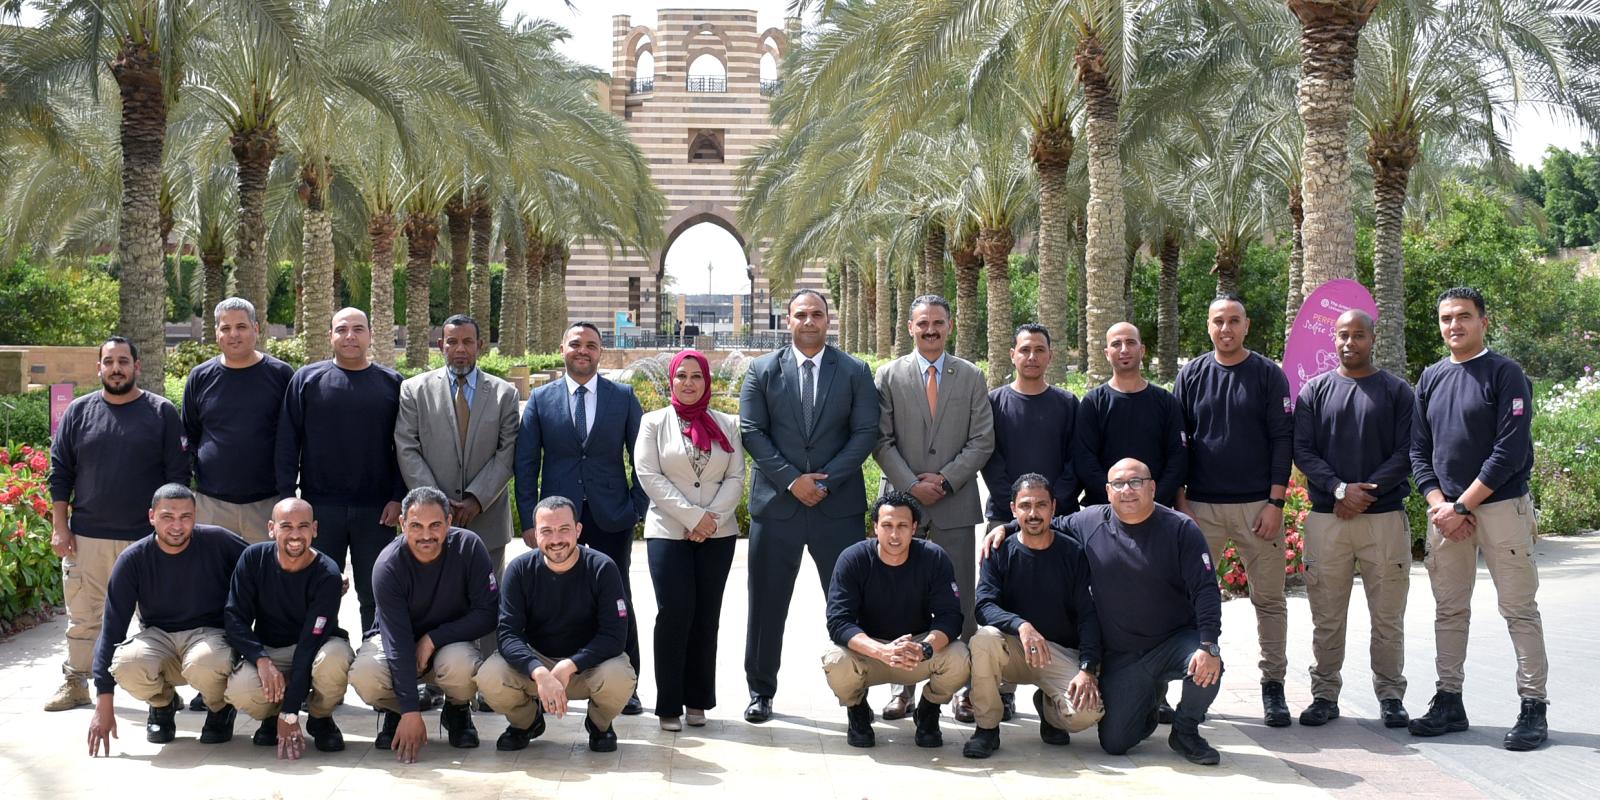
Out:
{"x": 802, "y": 752}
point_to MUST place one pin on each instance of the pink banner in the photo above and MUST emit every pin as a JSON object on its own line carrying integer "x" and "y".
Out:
{"x": 1310, "y": 350}
{"x": 60, "y": 398}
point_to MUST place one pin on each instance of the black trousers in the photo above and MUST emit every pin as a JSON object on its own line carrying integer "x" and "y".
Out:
{"x": 1132, "y": 683}
{"x": 775, "y": 549}
{"x": 689, "y": 578}
{"x": 619, "y": 546}
{"x": 354, "y": 531}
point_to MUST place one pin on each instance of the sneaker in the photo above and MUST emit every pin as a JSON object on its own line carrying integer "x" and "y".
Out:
{"x": 266, "y": 734}
{"x": 927, "y": 718}
{"x": 456, "y": 719}
{"x": 1275, "y": 710}
{"x": 161, "y": 725}
{"x": 218, "y": 727}
{"x": 983, "y": 743}
{"x": 516, "y": 738}
{"x": 1531, "y": 729}
{"x": 73, "y": 693}
{"x": 1394, "y": 713}
{"x": 1049, "y": 734}
{"x": 1192, "y": 746}
{"x": 1445, "y": 714}
{"x": 860, "y": 734}
{"x": 325, "y": 734}
{"x": 1319, "y": 712}
{"x": 600, "y": 741}
{"x": 899, "y": 704}
{"x": 961, "y": 708}
{"x": 391, "y": 723}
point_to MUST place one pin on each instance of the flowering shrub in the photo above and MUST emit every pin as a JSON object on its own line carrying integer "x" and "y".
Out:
{"x": 30, "y": 573}
{"x": 1296, "y": 506}
{"x": 1566, "y": 457}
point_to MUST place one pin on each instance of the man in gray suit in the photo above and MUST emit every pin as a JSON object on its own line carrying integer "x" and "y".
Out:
{"x": 935, "y": 431}
{"x": 809, "y": 418}
{"x": 457, "y": 431}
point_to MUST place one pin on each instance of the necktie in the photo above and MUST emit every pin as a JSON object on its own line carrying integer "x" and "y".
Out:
{"x": 933, "y": 390}
{"x": 580, "y": 415}
{"x": 808, "y": 388}
{"x": 462, "y": 410}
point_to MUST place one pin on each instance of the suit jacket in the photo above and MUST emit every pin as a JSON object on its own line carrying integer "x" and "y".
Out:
{"x": 846, "y": 411}
{"x": 590, "y": 474}
{"x": 430, "y": 452}
{"x": 956, "y": 443}
{"x": 678, "y": 497}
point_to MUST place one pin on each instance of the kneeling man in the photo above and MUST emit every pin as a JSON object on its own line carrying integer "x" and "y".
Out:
{"x": 1039, "y": 626}
{"x": 436, "y": 595}
{"x": 282, "y": 617}
{"x": 563, "y": 624}
{"x": 177, "y": 578}
{"x": 894, "y": 613}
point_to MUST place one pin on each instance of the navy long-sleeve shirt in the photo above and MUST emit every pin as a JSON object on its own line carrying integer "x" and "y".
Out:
{"x": 1048, "y": 589}
{"x": 578, "y": 614}
{"x": 1150, "y": 580}
{"x": 230, "y": 417}
{"x": 1147, "y": 425}
{"x": 269, "y": 606}
{"x": 107, "y": 460}
{"x": 884, "y": 602}
{"x": 1240, "y": 428}
{"x": 171, "y": 592}
{"x": 453, "y": 598}
{"x": 1474, "y": 421}
{"x": 1032, "y": 433}
{"x": 336, "y": 436}
{"x": 1355, "y": 430}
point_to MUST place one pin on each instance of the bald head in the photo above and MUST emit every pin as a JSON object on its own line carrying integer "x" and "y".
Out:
{"x": 351, "y": 336}
{"x": 292, "y": 505}
{"x": 293, "y": 527}
{"x": 1353, "y": 338}
{"x": 1356, "y": 316}
{"x": 1124, "y": 350}
{"x": 1131, "y": 490}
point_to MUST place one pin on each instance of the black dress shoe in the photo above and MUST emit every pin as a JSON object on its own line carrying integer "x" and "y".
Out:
{"x": 456, "y": 719}
{"x": 759, "y": 710}
{"x": 516, "y": 738}
{"x": 983, "y": 743}
{"x": 429, "y": 697}
{"x": 198, "y": 703}
{"x": 482, "y": 704}
{"x": 219, "y": 725}
{"x": 1394, "y": 713}
{"x": 1319, "y": 712}
{"x": 600, "y": 741}
{"x": 1531, "y": 729}
{"x": 1008, "y": 706}
{"x": 1274, "y": 709}
{"x": 161, "y": 725}
{"x": 1445, "y": 714}
{"x": 391, "y": 723}
{"x": 1193, "y": 747}
{"x": 900, "y": 702}
{"x": 633, "y": 708}
{"x": 325, "y": 734}
{"x": 267, "y": 734}
{"x": 859, "y": 733}
{"x": 927, "y": 719}
{"x": 1049, "y": 734}
{"x": 1164, "y": 712}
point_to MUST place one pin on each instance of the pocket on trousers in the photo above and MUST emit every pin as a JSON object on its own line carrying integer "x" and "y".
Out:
{"x": 1312, "y": 574}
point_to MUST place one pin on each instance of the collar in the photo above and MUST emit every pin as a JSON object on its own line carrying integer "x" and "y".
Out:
{"x": 923, "y": 363}
{"x": 1481, "y": 354}
{"x": 572, "y": 385}
{"x": 472, "y": 378}
{"x": 801, "y": 358}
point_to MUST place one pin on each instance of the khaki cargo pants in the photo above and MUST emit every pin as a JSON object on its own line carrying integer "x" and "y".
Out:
{"x": 1380, "y": 545}
{"x": 154, "y": 662}
{"x": 1264, "y": 566}
{"x": 249, "y": 520}
{"x": 607, "y": 686}
{"x": 849, "y": 674}
{"x": 330, "y": 676}
{"x": 453, "y": 668}
{"x": 998, "y": 656}
{"x": 85, "y": 576}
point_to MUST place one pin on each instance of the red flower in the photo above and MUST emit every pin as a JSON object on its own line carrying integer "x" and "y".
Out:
{"x": 41, "y": 506}
{"x": 1290, "y": 570}
{"x": 1229, "y": 553}
{"x": 38, "y": 462}
{"x": 10, "y": 495}
{"x": 5, "y": 456}
{"x": 27, "y": 450}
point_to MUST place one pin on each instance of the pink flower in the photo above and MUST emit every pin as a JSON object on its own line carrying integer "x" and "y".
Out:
{"x": 38, "y": 462}
{"x": 1288, "y": 570}
{"x": 1229, "y": 553}
{"x": 5, "y": 456}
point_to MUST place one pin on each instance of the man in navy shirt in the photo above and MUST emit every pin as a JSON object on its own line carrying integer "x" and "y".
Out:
{"x": 1034, "y": 426}
{"x": 1039, "y": 626}
{"x": 283, "y": 619}
{"x": 894, "y": 617}
{"x": 1471, "y": 456}
{"x": 1352, "y": 439}
{"x": 437, "y": 595}
{"x": 1239, "y": 418}
{"x": 177, "y": 579}
{"x": 1129, "y": 417}
{"x": 563, "y": 622}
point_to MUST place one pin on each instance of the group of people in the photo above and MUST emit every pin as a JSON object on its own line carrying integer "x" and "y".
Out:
{"x": 237, "y": 581}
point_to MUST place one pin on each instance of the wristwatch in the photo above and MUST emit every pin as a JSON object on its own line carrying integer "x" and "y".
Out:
{"x": 1091, "y": 667}
{"x": 1338, "y": 491}
{"x": 822, "y": 487}
{"x": 288, "y": 718}
{"x": 1461, "y": 509}
{"x": 1212, "y": 648}
{"x": 927, "y": 651}
{"x": 948, "y": 489}
{"x": 1277, "y": 501}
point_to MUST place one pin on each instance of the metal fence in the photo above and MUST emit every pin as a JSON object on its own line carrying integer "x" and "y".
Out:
{"x": 759, "y": 340}
{"x": 706, "y": 83}
{"x": 641, "y": 85}
{"x": 771, "y": 88}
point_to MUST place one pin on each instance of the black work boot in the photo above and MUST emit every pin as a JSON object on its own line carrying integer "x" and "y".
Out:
{"x": 1394, "y": 713}
{"x": 161, "y": 725}
{"x": 983, "y": 743}
{"x": 385, "y": 739}
{"x": 1319, "y": 712}
{"x": 860, "y": 734}
{"x": 218, "y": 727}
{"x": 1530, "y": 730}
{"x": 1445, "y": 714}
{"x": 456, "y": 719}
{"x": 325, "y": 734}
{"x": 1049, "y": 734}
{"x": 516, "y": 738}
{"x": 1192, "y": 746}
{"x": 600, "y": 741}
{"x": 1275, "y": 711}
{"x": 1008, "y": 704}
{"x": 927, "y": 718}
{"x": 267, "y": 734}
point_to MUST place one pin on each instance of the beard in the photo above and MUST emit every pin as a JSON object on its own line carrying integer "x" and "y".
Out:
{"x": 121, "y": 389}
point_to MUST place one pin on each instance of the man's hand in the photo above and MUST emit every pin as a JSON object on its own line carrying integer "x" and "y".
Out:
{"x": 424, "y": 653}
{"x": 1269, "y": 523}
{"x": 1204, "y": 668}
{"x": 1084, "y": 692}
{"x": 1035, "y": 648}
{"x": 102, "y": 726}
{"x": 271, "y": 680}
{"x": 927, "y": 493}
{"x": 902, "y": 653}
{"x": 991, "y": 542}
{"x": 1342, "y": 510}
{"x": 552, "y": 690}
{"x": 704, "y": 529}
{"x": 62, "y": 541}
{"x": 409, "y": 737}
{"x": 1451, "y": 525}
{"x": 465, "y": 511}
{"x": 291, "y": 741}
{"x": 806, "y": 490}
{"x": 390, "y": 517}
{"x": 1359, "y": 496}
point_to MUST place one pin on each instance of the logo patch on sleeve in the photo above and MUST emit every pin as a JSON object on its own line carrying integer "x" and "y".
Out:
{"x": 622, "y": 608}
{"x": 1516, "y": 407}
{"x": 316, "y": 627}
{"x": 954, "y": 589}
{"x": 494, "y": 585}
{"x": 1205, "y": 558}
{"x": 1288, "y": 405}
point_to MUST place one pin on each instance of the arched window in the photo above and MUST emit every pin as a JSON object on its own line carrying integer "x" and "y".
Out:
{"x": 769, "y": 75}
{"x": 707, "y": 74}
{"x": 705, "y": 146}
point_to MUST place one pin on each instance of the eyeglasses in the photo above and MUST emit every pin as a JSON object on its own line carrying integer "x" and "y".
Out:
{"x": 1131, "y": 483}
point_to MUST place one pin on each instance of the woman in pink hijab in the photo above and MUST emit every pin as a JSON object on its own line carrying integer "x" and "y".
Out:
{"x": 689, "y": 460}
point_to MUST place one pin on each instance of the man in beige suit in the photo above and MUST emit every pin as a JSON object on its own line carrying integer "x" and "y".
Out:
{"x": 457, "y": 432}
{"x": 935, "y": 431}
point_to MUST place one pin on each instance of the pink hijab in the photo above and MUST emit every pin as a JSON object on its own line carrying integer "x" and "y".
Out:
{"x": 703, "y": 428}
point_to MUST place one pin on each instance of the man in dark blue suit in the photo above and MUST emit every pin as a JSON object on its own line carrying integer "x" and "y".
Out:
{"x": 809, "y": 417}
{"x": 574, "y": 432}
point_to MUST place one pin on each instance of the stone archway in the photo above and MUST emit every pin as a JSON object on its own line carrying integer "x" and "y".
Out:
{"x": 686, "y": 218}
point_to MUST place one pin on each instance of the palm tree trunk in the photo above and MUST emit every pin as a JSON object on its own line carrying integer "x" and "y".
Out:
{"x": 381, "y": 230}
{"x": 211, "y": 258}
{"x": 458, "y": 221}
{"x": 141, "y": 291}
{"x": 514, "y": 298}
{"x": 1051, "y": 149}
{"x": 535, "y": 270}
{"x": 964, "y": 254}
{"x": 994, "y": 245}
{"x": 1297, "y": 261}
{"x": 422, "y": 239}
{"x": 931, "y": 278}
{"x": 1106, "y": 226}
{"x": 317, "y": 252}
{"x": 1391, "y": 157}
{"x": 847, "y": 307}
{"x": 905, "y": 275}
{"x": 1127, "y": 280}
{"x": 1167, "y": 322}
{"x": 867, "y": 296}
{"x": 1081, "y": 286}
{"x": 553, "y": 293}
{"x": 1330, "y": 32}
{"x": 1226, "y": 267}
{"x": 254, "y": 150}
{"x": 882, "y": 305}
{"x": 482, "y": 237}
